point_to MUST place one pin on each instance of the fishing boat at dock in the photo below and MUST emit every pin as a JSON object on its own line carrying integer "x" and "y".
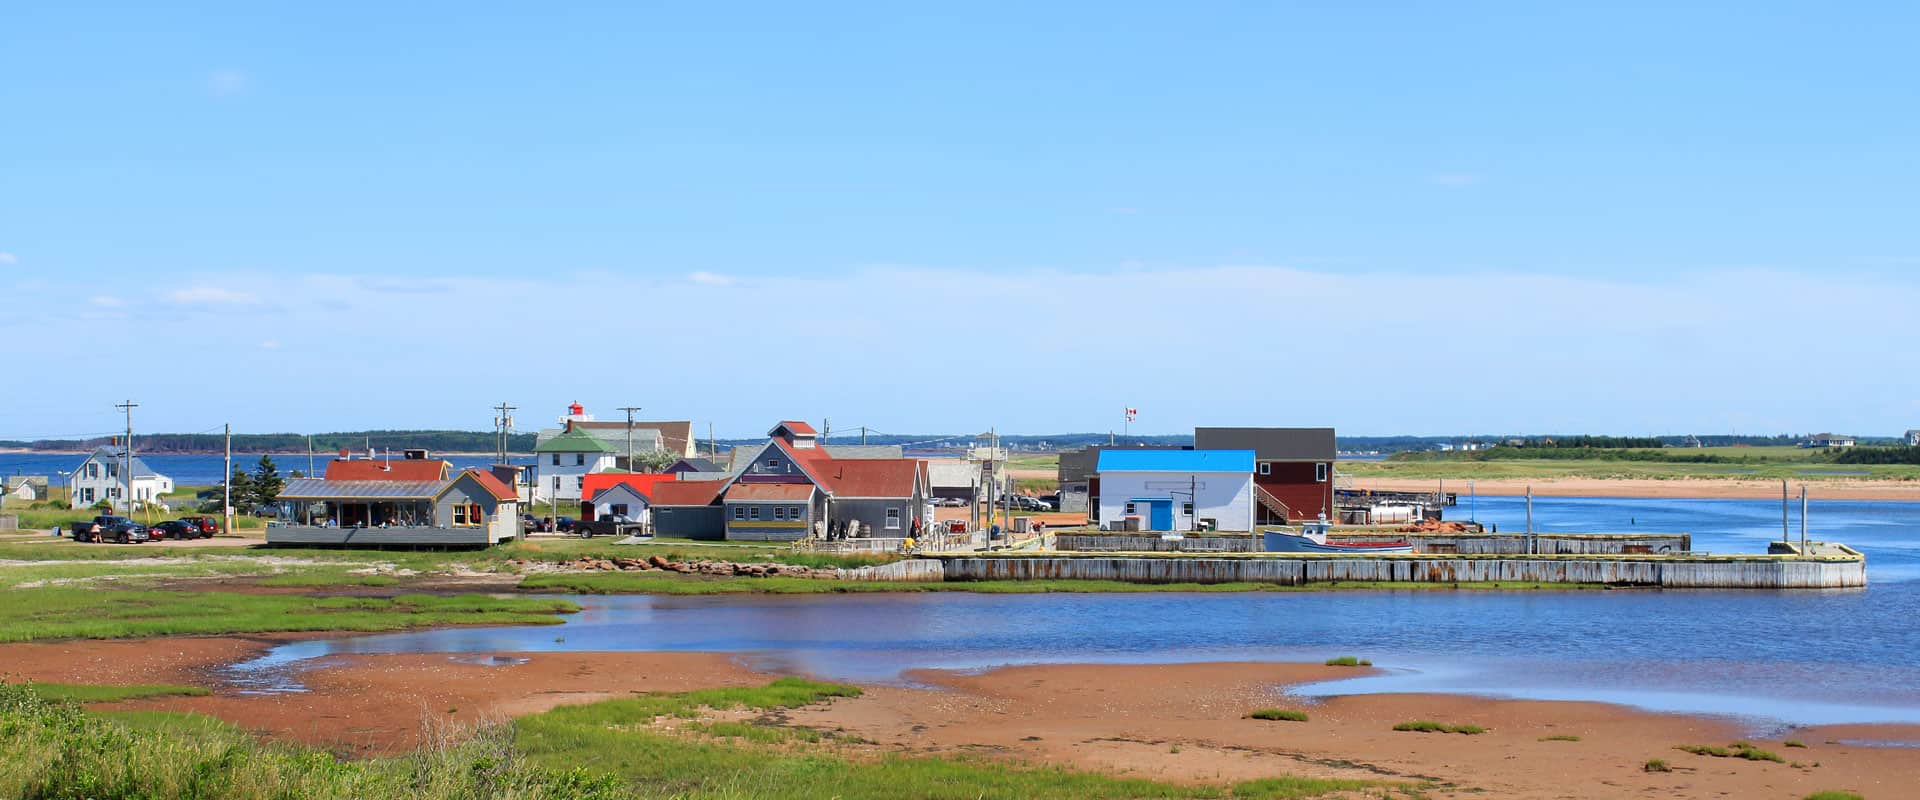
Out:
{"x": 1312, "y": 538}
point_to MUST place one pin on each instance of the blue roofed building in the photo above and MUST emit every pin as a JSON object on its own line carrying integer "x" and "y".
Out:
{"x": 1177, "y": 490}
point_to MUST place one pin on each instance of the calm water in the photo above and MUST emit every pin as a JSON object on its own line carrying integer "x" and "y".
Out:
{"x": 1800, "y": 657}
{"x": 196, "y": 470}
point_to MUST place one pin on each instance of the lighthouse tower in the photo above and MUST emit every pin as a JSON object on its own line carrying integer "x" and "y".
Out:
{"x": 575, "y": 413}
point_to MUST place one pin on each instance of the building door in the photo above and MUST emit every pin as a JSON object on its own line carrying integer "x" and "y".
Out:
{"x": 1160, "y": 515}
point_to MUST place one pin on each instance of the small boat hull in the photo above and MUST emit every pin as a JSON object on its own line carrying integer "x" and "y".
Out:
{"x": 1276, "y": 542}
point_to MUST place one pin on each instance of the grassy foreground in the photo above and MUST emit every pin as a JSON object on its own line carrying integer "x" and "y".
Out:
{"x": 648, "y": 746}
{"x": 80, "y": 613}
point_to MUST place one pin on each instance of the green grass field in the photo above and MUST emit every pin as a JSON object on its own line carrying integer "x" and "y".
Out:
{"x": 647, "y": 746}
{"x": 1767, "y": 463}
{"x": 92, "y": 613}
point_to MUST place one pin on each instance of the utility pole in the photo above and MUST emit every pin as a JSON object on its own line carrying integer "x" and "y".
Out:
{"x": 713, "y": 445}
{"x": 630, "y": 410}
{"x": 126, "y": 475}
{"x": 226, "y": 488}
{"x": 863, "y": 434}
{"x": 503, "y": 423}
{"x": 309, "y": 455}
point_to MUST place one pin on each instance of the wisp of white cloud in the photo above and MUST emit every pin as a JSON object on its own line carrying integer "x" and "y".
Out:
{"x": 711, "y": 279}
{"x": 8, "y": 259}
{"x": 106, "y": 301}
{"x": 1413, "y": 352}
{"x": 270, "y": 344}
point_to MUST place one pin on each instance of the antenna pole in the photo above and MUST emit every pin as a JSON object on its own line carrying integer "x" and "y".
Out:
{"x": 126, "y": 477}
{"x": 630, "y": 410}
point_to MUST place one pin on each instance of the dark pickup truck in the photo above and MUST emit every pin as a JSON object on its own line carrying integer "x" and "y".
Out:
{"x": 109, "y": 528}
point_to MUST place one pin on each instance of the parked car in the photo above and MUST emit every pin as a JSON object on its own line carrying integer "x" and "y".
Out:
{"x": 173, "y": 529}
{"x": 109, "y": 528}
{"x": 208, "y": 527}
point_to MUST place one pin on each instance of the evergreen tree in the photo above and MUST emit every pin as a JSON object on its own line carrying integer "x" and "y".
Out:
{"x": 267, "y": 483}
{"x": 239, "y": 486}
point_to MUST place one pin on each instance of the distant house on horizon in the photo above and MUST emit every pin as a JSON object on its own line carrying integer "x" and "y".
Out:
{"x": 27, "y": 488}
{"x": 1913, "y": 438}
{"x": 1829, "y": 440}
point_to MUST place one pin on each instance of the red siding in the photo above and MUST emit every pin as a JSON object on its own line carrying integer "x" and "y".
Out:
{"x": 1294, "y": 484}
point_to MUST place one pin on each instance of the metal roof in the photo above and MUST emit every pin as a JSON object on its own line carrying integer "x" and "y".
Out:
{"x": 576, "y": 442}
{"x": 1176, "y": 461}
{"x": 1271, "y": 444}
{"x": 951, "y": 474}
{"x": 321, "y": 489}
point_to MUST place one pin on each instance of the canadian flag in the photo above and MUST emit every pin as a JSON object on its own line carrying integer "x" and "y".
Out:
{"x": 1131, "y": 413}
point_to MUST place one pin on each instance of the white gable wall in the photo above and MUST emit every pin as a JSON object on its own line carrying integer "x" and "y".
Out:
{"x": 1225, "y": 497}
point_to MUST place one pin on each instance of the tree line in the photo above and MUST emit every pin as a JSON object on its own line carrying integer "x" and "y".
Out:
{"x": 357, "y": 441}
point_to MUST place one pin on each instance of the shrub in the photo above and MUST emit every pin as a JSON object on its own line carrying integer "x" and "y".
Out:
{"x": 1279, "y": 715}
{"x": 1429, "y": 726}
{"x": 1736, "y": 750}
{"x": 1794, "y": 743}
{"x": 1832, "y": 795}
{"x": 1348, "y": 661}
{"x": 1656, "y": 765}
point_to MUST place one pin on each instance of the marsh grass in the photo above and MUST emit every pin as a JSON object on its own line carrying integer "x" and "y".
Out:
{"x": 1429, "y": 726}
{"x": 1348, "y": 661}
{"x": 1279, "y": 715}
{"x": 1833, "y": 795}
{"x": 86, "y": 693}
{"x": 1656, "y": 765}
{"x": 77, "y": 613}
{"x": 1560, "y": 738}
{"x": 1742, "y": 750}
{"x": 607, "y": 750}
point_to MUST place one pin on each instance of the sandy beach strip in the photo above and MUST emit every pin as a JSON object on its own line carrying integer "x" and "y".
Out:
{"x": 1180, "y": 722}
{"x": 1701, "y": 488}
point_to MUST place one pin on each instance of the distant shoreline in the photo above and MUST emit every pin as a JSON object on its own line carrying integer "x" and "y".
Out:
{"x": 1701, "y": 488}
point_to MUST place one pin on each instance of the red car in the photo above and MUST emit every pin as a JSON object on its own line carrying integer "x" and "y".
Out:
{"x": 204, "y": 527}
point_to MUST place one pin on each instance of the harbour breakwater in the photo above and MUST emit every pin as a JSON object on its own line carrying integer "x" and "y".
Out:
{"x": 1423, "y": 542}
{"x": 1845, "y": 569}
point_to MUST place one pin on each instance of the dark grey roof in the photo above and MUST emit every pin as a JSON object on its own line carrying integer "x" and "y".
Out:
{"x": 865, "y": 450}
{"x": 702, "y": 464}
{"x": 1078, "y": 465}
{"x": 1271, "y": 444}
{"x": 322, "y": 489}
{"x": 118, "y": 454}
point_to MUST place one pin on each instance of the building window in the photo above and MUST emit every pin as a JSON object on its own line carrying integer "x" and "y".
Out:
{"x": 739, "y": 512}
{"x": 753, "y": 513}
{"x": 618, "y": 509}
{"x": 556, "y": 459}
{"x": 579, "y": 459}
{"x": 1131, "y": 509}
{"x": 773, "y": 465}
{"x": 1186, "y": 509}
{"x": 93, "y": 470}
{"x": 794, "y": 513}
{"x": 780, "y": 513}
{"x": 1320, "y": 472}
{"x": 893, "y": 519}
{"x": 460, "y": 515}
{"x": 1266, "y": 468}
{"x": 86, "y": 495}
{"x": 556, "y": 486}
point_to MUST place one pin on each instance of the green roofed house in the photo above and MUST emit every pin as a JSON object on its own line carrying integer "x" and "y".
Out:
{"x": 563, "y": 461}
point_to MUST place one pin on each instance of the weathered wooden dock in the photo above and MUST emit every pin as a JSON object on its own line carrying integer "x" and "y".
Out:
{"x": 1844, "y": 568}
{"x": 1438, "y": 543}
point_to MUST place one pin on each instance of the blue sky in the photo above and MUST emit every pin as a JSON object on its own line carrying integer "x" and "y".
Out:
{"x": 1630, "y": 218}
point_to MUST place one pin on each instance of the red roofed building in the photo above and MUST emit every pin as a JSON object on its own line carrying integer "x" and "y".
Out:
{"x": 619, "y": 494}
{"x": 793, "y": 488}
